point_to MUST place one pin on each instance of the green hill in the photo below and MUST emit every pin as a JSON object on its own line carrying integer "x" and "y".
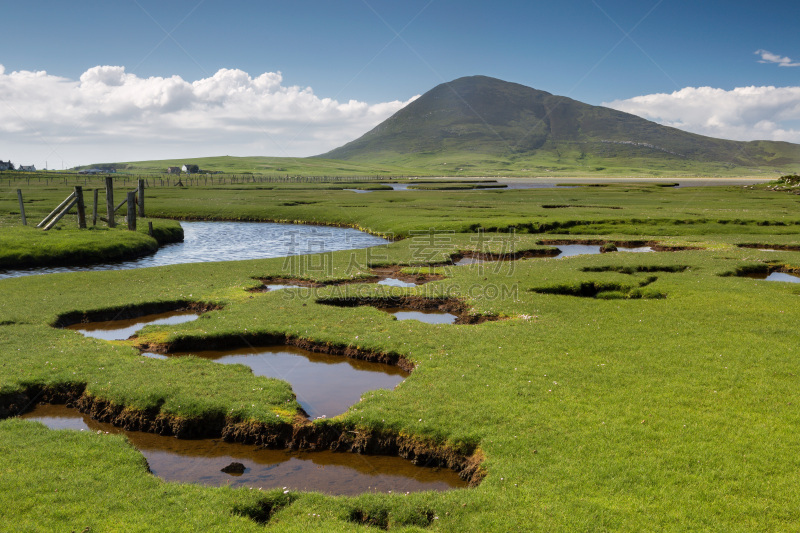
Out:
{"x": 486, "y": 123}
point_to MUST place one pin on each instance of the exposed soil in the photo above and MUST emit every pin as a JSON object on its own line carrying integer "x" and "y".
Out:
{"x": 640, "y": 268}
{"x": 301, "y": 434}
{"x": 241, "y": 341}
{"x": 782, "y": 247}
{"x": 414, "y": 303}
{"x": 511, "y": 256}
{"x": 395, "y": 271}
{"x": 564, "y": 206}
{"x": 655, "y": 245}
{"x": 295, "y": 282}
{"x": 132, "y": 311}
{"x": 379, "y": 274}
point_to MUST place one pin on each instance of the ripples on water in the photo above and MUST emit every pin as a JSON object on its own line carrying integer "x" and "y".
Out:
{"x": 233, "y": 241}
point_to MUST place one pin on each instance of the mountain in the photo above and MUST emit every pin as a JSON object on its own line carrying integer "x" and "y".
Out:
{"x": 479, "y": 121}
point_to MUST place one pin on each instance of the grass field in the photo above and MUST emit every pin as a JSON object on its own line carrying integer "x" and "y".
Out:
{"x": 618, "y": 392}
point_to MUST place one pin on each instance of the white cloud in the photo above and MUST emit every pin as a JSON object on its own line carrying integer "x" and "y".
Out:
{"x": 769, "y": 57}
{"x": 743, "y": 113}
{"x": 112, "y": 115}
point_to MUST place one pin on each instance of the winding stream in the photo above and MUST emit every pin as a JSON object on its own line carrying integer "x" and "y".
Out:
{"x": 233, "y": 241}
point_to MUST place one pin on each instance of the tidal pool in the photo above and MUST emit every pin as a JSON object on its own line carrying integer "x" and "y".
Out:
{"x": 117, "y": 330}
{"x": 394, "y": 282}
{"x": 776, "y": 276}
{"x": 279, "y": 286}
{"x": 201, "y": 460}
{"x": 325, "y": 385}
{"x": 429, "y": 317}
{"x": 565, "y": 250}
{"x": 569, "y": 250}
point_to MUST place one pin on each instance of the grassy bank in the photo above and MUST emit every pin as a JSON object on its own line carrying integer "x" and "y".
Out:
{"x": 27, "y": 246}
{"x": 629, "y": 208}
{"x": 618, "y": 392}
{"x": 621, "y": 414}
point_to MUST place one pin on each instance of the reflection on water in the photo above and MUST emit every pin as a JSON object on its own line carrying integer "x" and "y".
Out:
{"x": 429, "y": 317}
{"x": 117, "y": 330}
{"x": 566, "y": 250}
{"x": 394, "y": 282}
{"x": 234, "y": 241}
{"x": 277, "y": 287}
{"x": 464, "y": 261}
{"x": 776, "y": 276}
{"x": 569, "y": 250}
{"x": 200, "y": 461}
{"x": 325, "y": 385}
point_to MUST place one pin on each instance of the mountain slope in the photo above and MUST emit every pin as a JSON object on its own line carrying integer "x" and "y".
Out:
{"x": 479, "y": 115}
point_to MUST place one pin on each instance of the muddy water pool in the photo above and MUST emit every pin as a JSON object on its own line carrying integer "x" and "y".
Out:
{"x": 394, "y": 282}
{"x": 569, "y": 250}
{"x": 777, "y": 276}
{"x": 201, "y": 461}
{"x": 429, "y": 317}
{"x": 114, "y": 330}
{"x": 565, "y": 250}
{"x": 325, "y": 385}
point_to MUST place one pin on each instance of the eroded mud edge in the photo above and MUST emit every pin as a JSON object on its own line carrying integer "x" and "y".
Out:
{"x": 379, "y": 274}
{"x": 414, "y": 303}
{"x": 301, "y": 434}
{"x": 224, "y": 342}
{"x": 132, "y": 311}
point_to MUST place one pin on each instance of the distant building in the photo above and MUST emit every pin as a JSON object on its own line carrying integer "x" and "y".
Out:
{"x": 174, "y": 170}
{"x": 27, "y": 168}
{"x": 190, "y": 169}
{"x": 6, "y": 165}
{"x": 91, "y": 171}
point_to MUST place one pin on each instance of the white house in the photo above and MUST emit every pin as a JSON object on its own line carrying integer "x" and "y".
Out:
{"x": 27, "y": 168}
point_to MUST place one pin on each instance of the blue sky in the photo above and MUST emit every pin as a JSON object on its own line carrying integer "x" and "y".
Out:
{"x": 632, "y": 55}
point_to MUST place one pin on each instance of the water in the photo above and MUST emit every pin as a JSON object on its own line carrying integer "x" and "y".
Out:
{"x": 569, "y": 250}
{"x": 234, "y": 241}
{"x": 429, "y": 317}
{"x": 464, "y": 261}
{"x": 776, "y": 276}
{"x": 566, "y": 250}
{"x": 278, "y": 287}
{"x": 394, "y": 282}
{"x": 117, "y": 330}
{"x": 200, "y": 461}
{"x": 325, "y": 385}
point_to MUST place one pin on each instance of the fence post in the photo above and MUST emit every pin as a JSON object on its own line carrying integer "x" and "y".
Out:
{"x": 132, "y": 211}
{"x": 21, "y": 207}
{"x": 81, "y": 207}
{"x": 72, "y": 201}
{"x": 110, "y": 201}
{"x": 141, "y": 198}
{"x": 94, "y": 208}
{"x": 55, "y": 211}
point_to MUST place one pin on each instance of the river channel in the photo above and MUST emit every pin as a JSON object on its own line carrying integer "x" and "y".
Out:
{"x": 233, "y": 241}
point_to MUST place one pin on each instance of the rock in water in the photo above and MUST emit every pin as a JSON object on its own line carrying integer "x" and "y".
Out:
{"x": 234, "y": 468}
